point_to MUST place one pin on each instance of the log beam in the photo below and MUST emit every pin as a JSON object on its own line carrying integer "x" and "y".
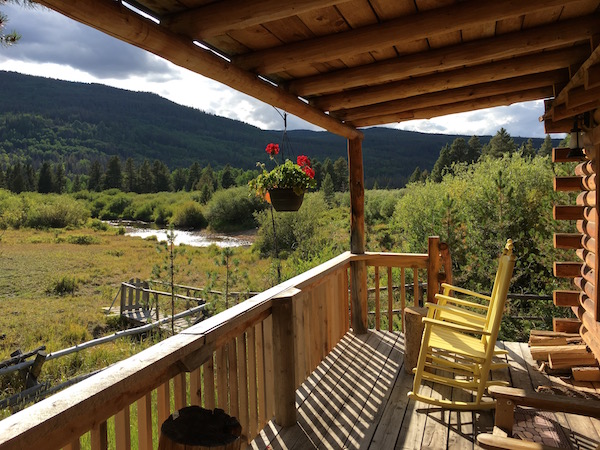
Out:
{"x": 566, "y": 298}
{"x": 120, "y": 22}
{"x": 567, "y": 212}
{"x": 506, "y": 46}
{"x": 411, "y": 28}
{"x": 358, "y": 269}
{"x": 449, "y": 96}
{"x": 453, "y": 108}
{"x": 568, "y": 184}
{"x": 568, "y": 240}
{"x": 217, "y": 18}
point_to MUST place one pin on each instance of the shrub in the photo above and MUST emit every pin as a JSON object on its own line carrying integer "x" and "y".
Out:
{"x": 144, "y": 212}
{"x": 63, "y": 285}
{"x": 189, "y": 215}
{"x": 233, "y": 209}
{"x": 162, "y": 215}
{"x": 82, "y": 239}
{"x": 115, "y": 207}
{"x": 56, "y": 211}
{"x": 98, "y": 225}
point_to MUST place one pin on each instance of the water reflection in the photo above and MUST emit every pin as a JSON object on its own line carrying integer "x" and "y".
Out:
{"x": 193, "y": 238}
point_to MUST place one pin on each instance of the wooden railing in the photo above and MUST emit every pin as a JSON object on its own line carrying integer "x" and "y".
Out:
{"x": 247, "y": 360}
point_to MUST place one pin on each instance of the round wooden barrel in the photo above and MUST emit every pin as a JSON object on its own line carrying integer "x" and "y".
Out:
{"x": 196, "y": 428}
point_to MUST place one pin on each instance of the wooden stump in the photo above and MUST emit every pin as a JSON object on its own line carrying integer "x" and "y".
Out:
{"x": 413, "y": 334}
{"x": 196, "y": 428}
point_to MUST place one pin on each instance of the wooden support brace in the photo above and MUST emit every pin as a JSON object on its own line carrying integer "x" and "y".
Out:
{"x": 568, "y": 184}
{"x": 567, "y": 269}
{"x": 591, "y": 77}
{"x": 567, "y": 212}
{"x": 570, "y": 241}
{"x": 565, "y": 324}
{"x": 566, "y": 298}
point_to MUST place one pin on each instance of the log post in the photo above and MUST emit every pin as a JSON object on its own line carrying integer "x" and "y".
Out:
{"x": 413, "y": 335}
{"x": 358, "y": 269}
{"x": 433, "y": 268}
{"x": 284, "y": 361}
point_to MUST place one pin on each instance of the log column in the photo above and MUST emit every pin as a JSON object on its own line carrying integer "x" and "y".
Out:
{"x": 358, "y": 269}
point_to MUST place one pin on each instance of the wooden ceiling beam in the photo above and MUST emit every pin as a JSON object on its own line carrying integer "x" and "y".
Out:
{"x": 114, "y": 19}
{"x": 581, "y": 95}
{"x": 496, "y": 71}
{"x": 220, "y": 17}
{"x": 559, "y": 109}
{"x": 537, "y": 39}
{"x": 458, "y": 107}
{"x": 483, "y": 90}
{"x": 423, "y": 25}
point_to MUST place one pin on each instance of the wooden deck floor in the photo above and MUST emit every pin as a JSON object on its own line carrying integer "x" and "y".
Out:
{"x": 356, "y": 399}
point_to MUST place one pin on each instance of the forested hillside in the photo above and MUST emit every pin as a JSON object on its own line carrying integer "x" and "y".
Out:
{"x": 75, "y": 123}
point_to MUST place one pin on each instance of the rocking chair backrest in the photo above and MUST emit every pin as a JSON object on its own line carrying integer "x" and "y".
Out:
{"x": 499, "y": 293}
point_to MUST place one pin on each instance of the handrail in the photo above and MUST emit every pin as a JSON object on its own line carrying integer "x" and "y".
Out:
{"x": 53, "y": 422}
{"x": 240, "y": 339}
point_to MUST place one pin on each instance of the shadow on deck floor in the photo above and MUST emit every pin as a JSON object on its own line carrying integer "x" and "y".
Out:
{"x": 356, "y": 399}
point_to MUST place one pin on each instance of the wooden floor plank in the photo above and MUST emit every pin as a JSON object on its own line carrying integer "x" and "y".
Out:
{"x": 356, "y": 387}
{"x": 355, "y": 400}
{"x": 380, "y": 393}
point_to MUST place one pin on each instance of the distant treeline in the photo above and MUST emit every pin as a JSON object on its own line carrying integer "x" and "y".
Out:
{"x": 147, "y": 177}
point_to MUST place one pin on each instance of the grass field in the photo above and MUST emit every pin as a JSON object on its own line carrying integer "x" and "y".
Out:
{"x": 35, "y": 265}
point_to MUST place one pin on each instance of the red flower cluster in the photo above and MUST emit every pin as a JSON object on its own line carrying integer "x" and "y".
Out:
{"x": 272, "y": 149}
{"x": 304, "y": 164}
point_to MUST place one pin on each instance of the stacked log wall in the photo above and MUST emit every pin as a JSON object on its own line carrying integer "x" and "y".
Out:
{"x": 583, "y": 299}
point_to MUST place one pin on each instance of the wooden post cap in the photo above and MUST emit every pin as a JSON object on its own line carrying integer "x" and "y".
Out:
{"x": 194, "y": 427}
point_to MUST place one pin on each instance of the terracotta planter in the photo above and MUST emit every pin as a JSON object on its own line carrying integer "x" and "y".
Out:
{"x": 285, "y": 199}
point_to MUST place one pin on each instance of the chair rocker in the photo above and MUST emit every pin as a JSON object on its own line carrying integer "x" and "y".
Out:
{"x": 458, "y": 344}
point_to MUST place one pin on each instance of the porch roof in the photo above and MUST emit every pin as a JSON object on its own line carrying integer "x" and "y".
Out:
{"x": 344, "y": 64}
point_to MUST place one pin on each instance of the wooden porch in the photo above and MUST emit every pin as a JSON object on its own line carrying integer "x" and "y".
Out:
{"x": 356, "y": 399}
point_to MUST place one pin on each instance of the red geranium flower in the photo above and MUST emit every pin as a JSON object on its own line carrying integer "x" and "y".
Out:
{"x": 309, "y": 171}
{"x": 272, "y": 149}
{"x": 303, "y": 161}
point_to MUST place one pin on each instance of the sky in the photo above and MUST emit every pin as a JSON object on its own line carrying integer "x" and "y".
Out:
{"x": 54, "y": 46}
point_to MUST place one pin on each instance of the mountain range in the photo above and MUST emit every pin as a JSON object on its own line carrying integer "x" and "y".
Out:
{"x": 43, "y": 119}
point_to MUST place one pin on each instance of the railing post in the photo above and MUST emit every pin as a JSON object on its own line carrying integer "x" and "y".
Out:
{"x": 358, "y": 269}
{"x": 284, "y": 359}
{"x": 433, "y": 268}
{"x": 123, "y": 298}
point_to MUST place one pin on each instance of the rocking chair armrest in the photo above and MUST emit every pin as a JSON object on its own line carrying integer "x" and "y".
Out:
{"x": 460, "y": 301}
{"x": 450, "y": 287}
{"x": 493, "y": 442}
{"x": 547, "y": 402}
{"x": 455, "y": 326}
{"x": 466, "y": 314}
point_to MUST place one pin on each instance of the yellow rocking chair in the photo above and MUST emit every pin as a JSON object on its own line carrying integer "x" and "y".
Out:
{"x": 451, "y": 354}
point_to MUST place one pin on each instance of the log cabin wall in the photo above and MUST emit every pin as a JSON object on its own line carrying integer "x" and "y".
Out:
{"x": 583, "y": 298}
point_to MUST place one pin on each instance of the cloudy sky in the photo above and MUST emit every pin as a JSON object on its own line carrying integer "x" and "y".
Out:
{"x": 57, "y": 47}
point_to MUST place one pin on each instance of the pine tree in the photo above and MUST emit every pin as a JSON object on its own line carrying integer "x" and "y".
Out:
{"x": 415, "y": 176}
{"x": 145, "y": 178}
{"x": 193, "y": 176}
{"x": 442, "y": 162}
{"x": 227, "y": 180}
{"x": 45, "y": 185}
{"x": 130, "y": 179}
{"x": 113, "y": 178}
{"x": 546, "y": 148}
{"x": 500, "y": 145}
{"x": 162, "y": 176}
{"x": 16, "y": 182}
{"x": 59, "y": 181}
{"x": 527, "y": 148}
{"x": 12, "y": 37}
{"x": 30, "y": 178}
{"x": 340, "y": 169}
{"x": 328, "y": 189}
{"x": 179, "y": 179}
{"x": 95, "y": 177}
{"x": 474, "y": 149}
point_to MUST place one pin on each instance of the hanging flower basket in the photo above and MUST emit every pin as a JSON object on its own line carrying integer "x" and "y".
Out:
{"x": 285, "y": 199}
{"x": 284, "y": 186}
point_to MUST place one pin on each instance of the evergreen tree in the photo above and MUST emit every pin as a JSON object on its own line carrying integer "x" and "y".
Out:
{"x": 130, "y": 179}
{"x": 162, "y": 176}
{"x": 9, "y": 38}
{"x": 442, "y": 162}
{"x": 227, "y": 179}
{"x": 328, "y": 169}
{"x": 546, "y": 148}
{"x": 328, "y": 190}
{"x": 415, "y": 176}
{"x": 319, "y": 176}
{"x": 76, "y": 184}
{"x": 205, "y": 193}
{"x": 30, "y": 178}
{"x": 179, "y": 177}
{"x": 527, "y": 148}
{"x": 2, "y": 179}
{"x": 502, "y": 143}
{"x": 45, "y": 185}
{"x": 113, "y": 178}
{"x": 16, "y": 181}
{"x": 145, "y": 178}
{"x": 474, "y": 151}
{"x": 340, "y": 169}
{"x": 207, "y": 178}
{"x": 59, "y": 182}
{"x": 95, "y": 177}
{"x": 193, "y": 176}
